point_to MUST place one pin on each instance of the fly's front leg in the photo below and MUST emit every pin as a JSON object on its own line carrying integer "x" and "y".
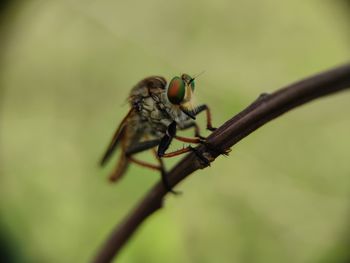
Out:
{"x": 169, "y": 136}
{"x": 210, "y": 127}
{"x": 201, "y": 108}
{"x": 166, "y": 140}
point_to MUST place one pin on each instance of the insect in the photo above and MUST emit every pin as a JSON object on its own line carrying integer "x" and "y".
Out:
{"x": 157, "y": 111}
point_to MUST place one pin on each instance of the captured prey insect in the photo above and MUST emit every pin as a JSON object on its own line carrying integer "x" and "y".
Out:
{"x": 157, "y": 111}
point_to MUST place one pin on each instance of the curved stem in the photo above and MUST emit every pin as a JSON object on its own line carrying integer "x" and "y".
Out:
{"x": 261, "y": 111}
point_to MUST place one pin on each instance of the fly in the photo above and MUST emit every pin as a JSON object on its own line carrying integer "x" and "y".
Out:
{"x": 157, "y": 111}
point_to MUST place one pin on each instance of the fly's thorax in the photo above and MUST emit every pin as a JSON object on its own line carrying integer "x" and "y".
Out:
{"x": 174, "y": 112}
{"x": 147, "y": 122}
{"x": 147, "y": 86}
{"x": 153, "y": 118}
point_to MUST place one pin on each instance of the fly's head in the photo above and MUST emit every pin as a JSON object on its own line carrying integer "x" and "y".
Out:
{"x": 180, "y": 92}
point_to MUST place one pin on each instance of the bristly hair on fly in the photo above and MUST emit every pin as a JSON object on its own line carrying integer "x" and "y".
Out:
{"x": 191, "y": 105}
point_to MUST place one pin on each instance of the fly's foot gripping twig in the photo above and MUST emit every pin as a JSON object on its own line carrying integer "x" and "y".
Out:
{"x": 211, "y": 128}
{"x": 200, "y": 156}
{"x": 201, "y": 137}
{"x": 202, "y": 140}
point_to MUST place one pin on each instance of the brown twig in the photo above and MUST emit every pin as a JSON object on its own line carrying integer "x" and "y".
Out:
{"x": 264, "y": 109}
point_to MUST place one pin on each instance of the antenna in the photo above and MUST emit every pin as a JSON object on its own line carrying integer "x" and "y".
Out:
{"x": 197, "y": 75}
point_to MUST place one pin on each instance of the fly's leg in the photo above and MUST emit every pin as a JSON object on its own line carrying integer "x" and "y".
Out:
{"x": 187, "y": 149}
{"x": 196, "y": 129}
{"x": 176, "y": 153}
{"x": 166, "y": 140}
{"x": 197, "y": 132}
{"x": 197, "y": 140}
{"x": 146, "y": 145}
{"x": 142, "y": 146}
{"x": 201, "y": 108}
{"x": 144, "y": 164}
{"x": 164, "y": 174}
{"x": 210, "y": 127}
{"x": 159, "y": 168}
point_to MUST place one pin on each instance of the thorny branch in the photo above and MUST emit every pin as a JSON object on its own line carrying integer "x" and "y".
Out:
{"x": 261, "y": 111}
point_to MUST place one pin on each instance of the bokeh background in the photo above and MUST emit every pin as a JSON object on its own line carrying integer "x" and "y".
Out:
{"x": 66, "y": 68}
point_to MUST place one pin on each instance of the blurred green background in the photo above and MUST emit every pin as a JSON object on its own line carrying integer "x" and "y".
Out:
{"x": 66, "y": 68}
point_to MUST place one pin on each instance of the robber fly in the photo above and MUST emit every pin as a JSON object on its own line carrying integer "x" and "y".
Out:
{"x": 157, "y": 111}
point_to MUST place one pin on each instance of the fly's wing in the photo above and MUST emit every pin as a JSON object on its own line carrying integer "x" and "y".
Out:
{"x": 118, "y": 135}
{"x": 127, "y": 133}
{"x": 120, "y": 169}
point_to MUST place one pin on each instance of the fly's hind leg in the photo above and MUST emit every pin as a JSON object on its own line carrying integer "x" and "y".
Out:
{"x": 166, "y": 140}
{"x": 209, "y": 127}
{"x": 146, "y": 145}
{"x": 140, "y": 147}
{"x": 144, "y": 164}
{"x": 159, "y": 168}
{"x": 164, "y": 174}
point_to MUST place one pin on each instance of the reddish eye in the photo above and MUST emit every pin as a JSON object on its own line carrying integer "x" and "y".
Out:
{"x": 176, "y": 90}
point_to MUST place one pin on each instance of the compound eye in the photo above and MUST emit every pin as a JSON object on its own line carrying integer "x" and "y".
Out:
{"x": 176, "y": 90}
